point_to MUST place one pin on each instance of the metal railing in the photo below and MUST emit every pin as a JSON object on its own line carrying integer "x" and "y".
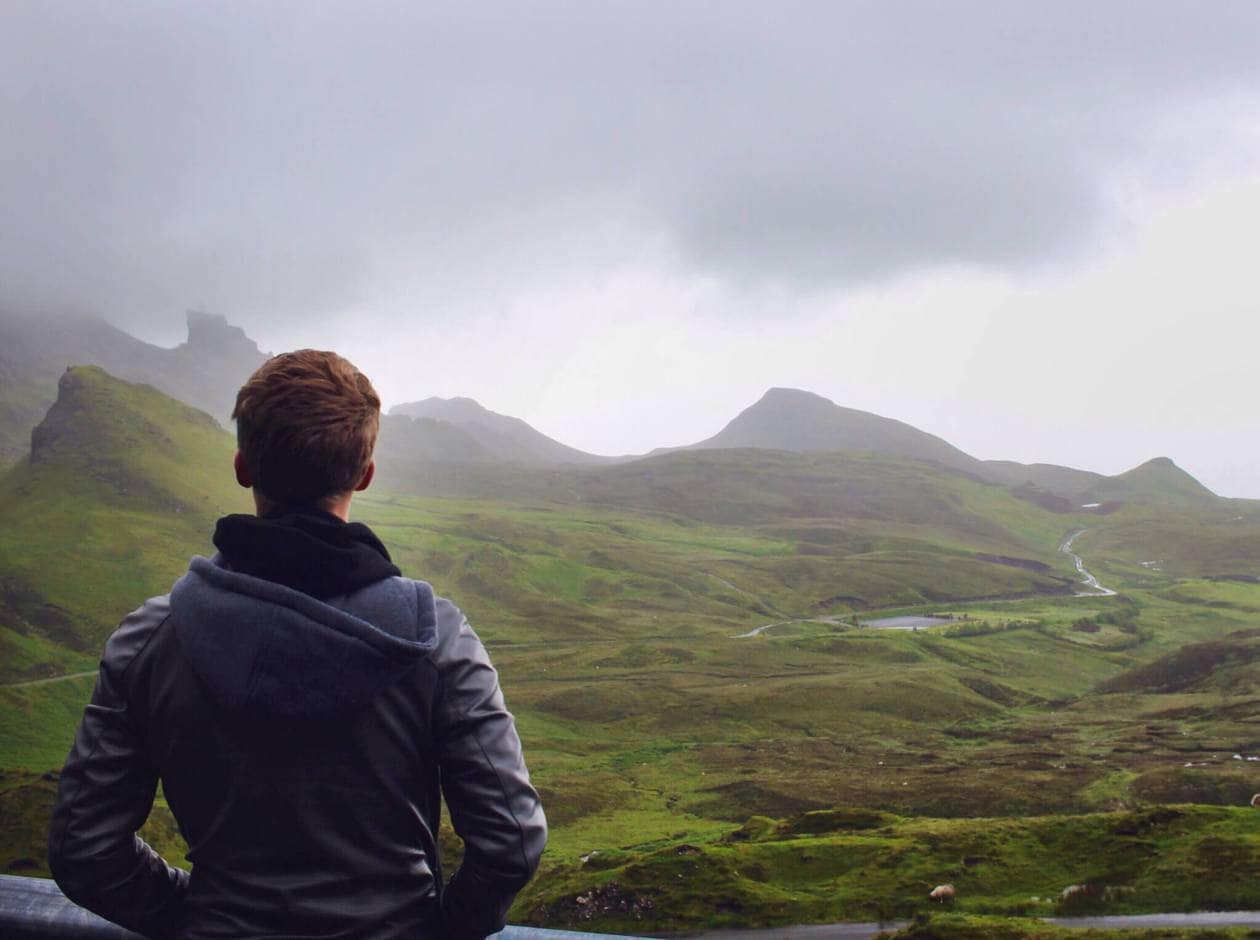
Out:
{"x": 35, "y": 909}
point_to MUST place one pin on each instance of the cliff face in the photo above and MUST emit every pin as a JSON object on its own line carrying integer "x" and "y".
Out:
{"x": 208, "y": 368}
{"x": 212, "y": 331}
{"x": 99, "y": 420}
{"x": 205, "y": 371}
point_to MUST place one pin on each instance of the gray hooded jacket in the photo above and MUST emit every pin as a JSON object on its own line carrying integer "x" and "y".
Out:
{"x": 302, "y": 746}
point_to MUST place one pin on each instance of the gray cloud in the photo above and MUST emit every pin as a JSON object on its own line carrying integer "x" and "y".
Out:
{"x": 298, "y": 160}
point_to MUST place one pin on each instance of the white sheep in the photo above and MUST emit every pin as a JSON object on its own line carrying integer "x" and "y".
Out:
{"x": 942, "y": 893}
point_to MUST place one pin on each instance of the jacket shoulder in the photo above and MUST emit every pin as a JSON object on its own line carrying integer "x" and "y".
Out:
{"x": 454, "y": 636}
{"x": 134, "y": 634}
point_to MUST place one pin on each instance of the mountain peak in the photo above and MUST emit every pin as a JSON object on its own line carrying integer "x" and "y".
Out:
{"x": 458, "y": 400}
{"x": 782, "y": 393}
{"x": 796, "y": 420}
{"x": 74, "y": 415}
{"x": 99, "y": 420}
{"x": 502, "y": 437}
{"x": 211, "y": 332}
{"x": 1158, "y": 480}
{"x": 455, "y": 409}
{"x": 780, "y": 398}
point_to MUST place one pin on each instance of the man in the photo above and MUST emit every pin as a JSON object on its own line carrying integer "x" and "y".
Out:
{"x": 303, "y": 706}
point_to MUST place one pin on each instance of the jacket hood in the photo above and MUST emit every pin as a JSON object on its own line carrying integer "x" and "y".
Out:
{"x": 269, "y": 652}
{"x": 305, "y": 548}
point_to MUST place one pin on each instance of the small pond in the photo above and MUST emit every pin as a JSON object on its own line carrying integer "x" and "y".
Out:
{"x": 906, "y": 623}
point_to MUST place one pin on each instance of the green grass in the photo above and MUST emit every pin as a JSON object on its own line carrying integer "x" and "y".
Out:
{"x": 610, "y": 600}
{"x": 37, "y": 722}
{"x": 848, "y": 865}
{"x": 124, "y": 486}
{"x": 30, "y": 657}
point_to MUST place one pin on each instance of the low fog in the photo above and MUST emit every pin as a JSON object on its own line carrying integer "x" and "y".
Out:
{"x": 1026, "y": 229}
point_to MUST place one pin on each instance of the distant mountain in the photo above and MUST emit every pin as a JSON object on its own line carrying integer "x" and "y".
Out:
{"x": 406, "y": 441}
{"x": 500, "y": 436}
{"x": 205, "y": 371}
{"x": 795, "y": 420}
{"x": 1157, "y": 481}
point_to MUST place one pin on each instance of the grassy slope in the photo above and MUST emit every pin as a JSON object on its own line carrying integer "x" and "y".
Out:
{"x": 1221, "y": 540}
{"x": 610, "y": 600}
{"x": 123, "y": 486}
{"x": 837, "y": 865}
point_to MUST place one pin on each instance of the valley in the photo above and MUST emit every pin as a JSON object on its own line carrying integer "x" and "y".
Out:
{"x": 700, "y": 770}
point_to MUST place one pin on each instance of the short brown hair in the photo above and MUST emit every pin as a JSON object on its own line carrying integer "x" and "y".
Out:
{"x": 306, "y": 425}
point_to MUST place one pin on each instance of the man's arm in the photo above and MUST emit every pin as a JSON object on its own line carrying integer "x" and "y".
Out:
{"x": 493, "y": 807}
{"x": 107, "y": 789}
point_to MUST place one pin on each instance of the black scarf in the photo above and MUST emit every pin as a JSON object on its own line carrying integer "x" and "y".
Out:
{"x": 304, "y": 548}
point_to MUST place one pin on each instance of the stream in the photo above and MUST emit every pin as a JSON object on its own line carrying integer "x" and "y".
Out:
{"x": 1093, "y": 588}
{"x": 1090, "y": 582}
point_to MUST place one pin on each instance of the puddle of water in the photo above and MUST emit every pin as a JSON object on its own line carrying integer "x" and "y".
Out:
{"x": 907, "y": 623}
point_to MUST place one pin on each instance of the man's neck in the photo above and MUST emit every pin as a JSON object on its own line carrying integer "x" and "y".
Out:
{"x": 338, "y": 506}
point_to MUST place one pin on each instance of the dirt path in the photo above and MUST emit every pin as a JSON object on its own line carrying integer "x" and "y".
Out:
{"x": 65, "y": 678}
{"x": 756, "y": 631}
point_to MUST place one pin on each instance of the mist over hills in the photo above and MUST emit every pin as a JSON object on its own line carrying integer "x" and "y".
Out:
{"x": 501, "y": 437}
{"x": 408, "y": 441}
{"x": 107, "y": 446}
{"x": 623, "y": 604}
{"x": 123, "y": 482}
{"x": 204, "y": 371}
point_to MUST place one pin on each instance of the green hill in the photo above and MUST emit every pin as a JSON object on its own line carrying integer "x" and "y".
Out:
{"x": 1065, "y": 482}
{"x": 503, "y": 437}
{"x": 787, "y": 419}
{"x": 795, "y": 420}
{"x": 624, "y": 606}
{"x": 1159, "y": 480}
{"x": 121, "y": 484}
{"x": 204, "y": 371}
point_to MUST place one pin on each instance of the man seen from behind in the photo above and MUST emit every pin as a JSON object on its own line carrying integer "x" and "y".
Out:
{"x": 305, "y": 708}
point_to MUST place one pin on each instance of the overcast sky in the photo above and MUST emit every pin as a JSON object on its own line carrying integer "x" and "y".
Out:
{"x": 1028, "y": 228}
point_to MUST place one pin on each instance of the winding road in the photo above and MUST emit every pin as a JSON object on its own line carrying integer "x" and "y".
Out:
{"x": 50, "y": 679}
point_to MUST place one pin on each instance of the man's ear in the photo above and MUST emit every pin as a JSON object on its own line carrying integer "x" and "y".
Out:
{"x": 242, "y": 471}
{"x": 367, "y": 477}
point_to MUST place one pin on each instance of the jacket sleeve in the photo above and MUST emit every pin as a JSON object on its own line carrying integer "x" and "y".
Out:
{"x": 106, "y": 793}
{"x": 493, "y": 807}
